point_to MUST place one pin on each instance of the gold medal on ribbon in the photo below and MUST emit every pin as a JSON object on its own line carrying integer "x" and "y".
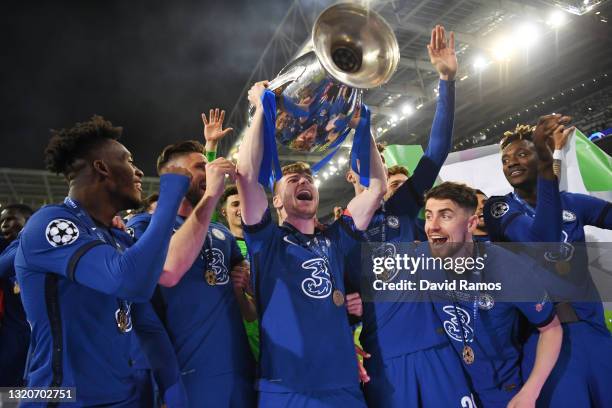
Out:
{"x": 338, "y": 298}
{"x": 16, "y": 289}
{"x": 468, "y": 354}
{"x": 563, "y": 267}
{"x": 123, "y": 321}
{"x": 210, "y": 277}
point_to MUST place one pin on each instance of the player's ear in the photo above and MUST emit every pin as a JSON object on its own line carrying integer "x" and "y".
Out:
{"x": 101, "y": 169}
{"x": 277, "y": 202}
{"x": 223, "y": 212}
{"x": 472, "y": 223}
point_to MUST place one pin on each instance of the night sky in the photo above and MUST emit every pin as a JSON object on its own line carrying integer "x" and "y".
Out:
{"x": 149, "y": 66}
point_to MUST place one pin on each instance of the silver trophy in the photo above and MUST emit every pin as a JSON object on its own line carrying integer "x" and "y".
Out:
{"x": 317, "y": 95}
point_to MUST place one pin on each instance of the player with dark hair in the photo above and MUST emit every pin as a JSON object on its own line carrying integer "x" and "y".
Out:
{"x": 482, "y": 325}
{"x": 230, "y": 210}
{"x": 81, "y": 279}
{"x": 14, "y": 328}
{"x": 196, "y": 301}
{"x": 402, "y": 337}
{"x": 309, "y": 359}
{"x": 480, "y": 234}
{"x": 536, "y": 212}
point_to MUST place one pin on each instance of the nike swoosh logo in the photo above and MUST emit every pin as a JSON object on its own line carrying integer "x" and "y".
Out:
{"x": 287, "y": 240}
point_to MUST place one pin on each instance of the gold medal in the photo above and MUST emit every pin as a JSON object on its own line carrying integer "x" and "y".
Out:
{"x": 563, "y": 267}
{"x": 123, "y": 321}
{"x": 338, "y": 298}
{"x": 16, "y": 289}
{"x": 468, "y": 354}
{"x": 210, "y": 277}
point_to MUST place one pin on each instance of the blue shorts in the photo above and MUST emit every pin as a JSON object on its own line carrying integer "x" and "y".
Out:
{"x": 341, "y": 398}
{"x": 581, "y": 377}
{"x": 429, "y": 378}
{"x": 225, "y": 390}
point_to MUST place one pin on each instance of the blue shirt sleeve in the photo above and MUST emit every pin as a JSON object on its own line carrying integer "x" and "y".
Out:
{"x": 408, "y": 199}
{"x": 593, "y": 211}
{"x": 54, "y": 241}
{"x": 505, "y": 223}
{"x": 138, "y": 225}
{"x": 158, "y": 349}
{"x": 7, "y": 260}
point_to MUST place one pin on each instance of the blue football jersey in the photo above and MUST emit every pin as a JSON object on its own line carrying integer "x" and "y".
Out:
{"x": 203, "y": 320}
{"x": 385, "y": 322}
{"x": 578, "y": 210}
{"x": 488, "y": 321}
{"x": 14, "y": 328}
{"x": 306, "y": 341}
{"x": 75, "y": 337}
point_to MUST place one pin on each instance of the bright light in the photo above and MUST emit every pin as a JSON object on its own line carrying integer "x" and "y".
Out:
{"x": 503, "y": 49}
{"x": 317, "y": 183}
{"x": 393, "y": 118}
{"x": 342, "y": 159}
{"x": 463, "y": 78}
{"x": 325, "y": 175}
{"x": 480, "y": 63}
{"x": 407, "y": 109}
{"x": 557, "y": 19}
{"x": 332, "y": 169}
{"x": 419, "y": 106}
{"x": 527, "y": 35}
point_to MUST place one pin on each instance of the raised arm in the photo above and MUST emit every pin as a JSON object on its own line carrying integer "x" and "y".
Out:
{"x": 408, "y": 198}
{"x": 253, "y": 200}
{"x": 364, "y": 204}
{"x": 187, "y": 242}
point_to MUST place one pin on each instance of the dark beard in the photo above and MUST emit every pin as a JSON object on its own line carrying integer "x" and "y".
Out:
{"x": 193, "y": 195}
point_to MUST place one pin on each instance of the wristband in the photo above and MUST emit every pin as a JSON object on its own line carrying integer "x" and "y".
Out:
{"x": 211, "y": 155}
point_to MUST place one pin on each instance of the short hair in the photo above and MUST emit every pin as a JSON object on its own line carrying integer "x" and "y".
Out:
{"x": 463, "y": 195}
{"x": 229, "y": 191}
{"x": 478, "y": 191}
{"x": 24, "y": 210}
{"x": 397, "y": 169}
{"x": 381, "y": 147}
{"x": 68, "y": 145}
{"x": 521, "y": 132}
{"x": 295, "y": 168}
{"x": 178, "y": 149}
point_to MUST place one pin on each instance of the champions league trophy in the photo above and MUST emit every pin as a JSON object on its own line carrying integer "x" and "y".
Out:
{"x": 317, "y": 95}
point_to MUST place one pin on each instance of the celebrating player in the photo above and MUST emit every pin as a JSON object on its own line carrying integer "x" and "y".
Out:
{"x": 482, "y": 325}
{"x": 309, "y": 359}
{"x": 80, "y": 278}
{"x": 536, "y": 211}
{"x": 196, "y": 300}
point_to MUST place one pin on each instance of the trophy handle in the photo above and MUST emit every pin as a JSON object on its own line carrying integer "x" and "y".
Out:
{"x": 278, "y": 84}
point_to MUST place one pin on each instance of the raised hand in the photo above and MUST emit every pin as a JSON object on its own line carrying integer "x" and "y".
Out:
{"x": 215, "y": 176}
{"x": 546, "y": 127}
{"x": 442, "y": 53}
{"x": 213, "y": 127}
{"x": 256, "y": 92}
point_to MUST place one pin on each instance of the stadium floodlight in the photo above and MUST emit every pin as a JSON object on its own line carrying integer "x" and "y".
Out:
{"x": 480, "y": 63}
{"x": 317, "y": 183}
{"x": 527, "y": 35}
{"x": 503, "y": 49}
{"x": 557, "y": 19}
{"x": 407, "y": 109}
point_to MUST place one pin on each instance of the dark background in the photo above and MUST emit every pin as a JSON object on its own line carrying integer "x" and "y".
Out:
{"x": 149, "y": 66}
